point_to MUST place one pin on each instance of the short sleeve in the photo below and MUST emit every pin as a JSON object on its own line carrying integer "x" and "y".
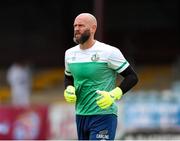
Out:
{"x": 117, "y": 61}
{"x": 67, "y": 71}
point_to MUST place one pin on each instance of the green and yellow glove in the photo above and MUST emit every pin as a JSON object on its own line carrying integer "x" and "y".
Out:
{"x": 69, "y": 94}
{"x": 106, "y": 99}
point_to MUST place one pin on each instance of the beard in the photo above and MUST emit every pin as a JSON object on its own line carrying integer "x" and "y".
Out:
{"x": 83, "y": 38}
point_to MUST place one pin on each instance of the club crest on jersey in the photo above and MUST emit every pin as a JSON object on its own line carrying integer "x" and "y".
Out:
{"x": 95, "y": 57}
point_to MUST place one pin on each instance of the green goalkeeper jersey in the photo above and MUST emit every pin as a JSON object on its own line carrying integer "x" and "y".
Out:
{"x": 94, "y": 69}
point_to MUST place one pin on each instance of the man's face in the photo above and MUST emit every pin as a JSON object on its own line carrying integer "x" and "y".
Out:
{"x": 82, "y": 30}
{"x": 81, "y": 37}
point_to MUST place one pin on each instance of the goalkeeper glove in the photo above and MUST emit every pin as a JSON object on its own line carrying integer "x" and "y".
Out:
{"x": 107, "y": 98}
{"x": 69, "y": 94}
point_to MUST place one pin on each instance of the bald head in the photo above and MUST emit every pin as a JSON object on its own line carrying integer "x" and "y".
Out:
{"x": 88, "y": 18}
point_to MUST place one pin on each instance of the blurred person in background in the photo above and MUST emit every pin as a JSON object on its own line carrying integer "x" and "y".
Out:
{"x": 19, "y": 79}
{"x": 91, "y": 70}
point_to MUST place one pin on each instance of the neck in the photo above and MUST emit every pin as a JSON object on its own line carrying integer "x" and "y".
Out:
{"x": 87, "y": 44}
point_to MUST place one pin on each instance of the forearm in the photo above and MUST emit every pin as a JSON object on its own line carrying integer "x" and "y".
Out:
{"x": 68, "y": 80}
{"x": 129, "y": 81}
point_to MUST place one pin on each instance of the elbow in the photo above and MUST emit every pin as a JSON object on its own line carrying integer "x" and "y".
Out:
{"x": 135, "y": 79}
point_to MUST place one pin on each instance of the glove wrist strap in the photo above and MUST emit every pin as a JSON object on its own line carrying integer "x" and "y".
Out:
{"x": 116, "y": 93}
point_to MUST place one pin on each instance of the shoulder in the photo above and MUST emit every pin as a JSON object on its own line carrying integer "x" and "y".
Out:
{"x": 72, "y": 49}
{"x": 107, "y": 48}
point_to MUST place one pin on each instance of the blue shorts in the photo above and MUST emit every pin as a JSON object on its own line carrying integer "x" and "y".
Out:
{"x": 96, "y": 127}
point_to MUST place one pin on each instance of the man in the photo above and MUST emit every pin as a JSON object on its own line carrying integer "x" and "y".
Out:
{"x": 20, "y": 81}
{"x": 91, "y": 69}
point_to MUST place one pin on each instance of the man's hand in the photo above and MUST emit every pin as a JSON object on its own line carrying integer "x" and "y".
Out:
{"x": 69, "y": 94}
{"x": 106, "y": 99}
